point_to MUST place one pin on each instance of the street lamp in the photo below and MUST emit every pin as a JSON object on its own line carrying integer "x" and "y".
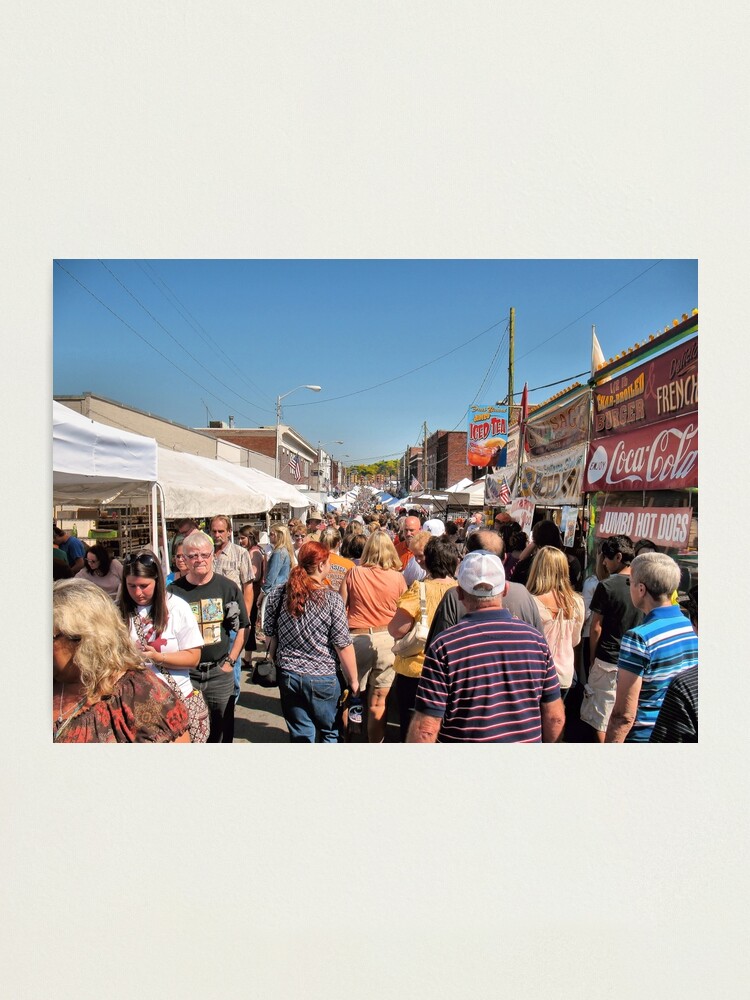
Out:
{"x": 313, "y": 388}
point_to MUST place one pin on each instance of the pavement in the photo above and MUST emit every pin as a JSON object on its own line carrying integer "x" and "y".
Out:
{"x": 258, "y": 718}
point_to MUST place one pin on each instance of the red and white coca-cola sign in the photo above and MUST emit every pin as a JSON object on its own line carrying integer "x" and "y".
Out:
{"x": 660, "y": 457}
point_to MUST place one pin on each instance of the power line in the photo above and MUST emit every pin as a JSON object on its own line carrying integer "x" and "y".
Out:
{"x": 549, "y": 385}
{"x": 395, "y": 378}
{"x": 180, "y": 345}
{"x": 583, "y": 315}
{"x": 198, "y": 328}
{"x": 144, "y": 339}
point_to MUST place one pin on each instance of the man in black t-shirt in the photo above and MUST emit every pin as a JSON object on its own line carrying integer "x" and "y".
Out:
{"x": 612, "y": 615}
{"x": 219, "y": 609}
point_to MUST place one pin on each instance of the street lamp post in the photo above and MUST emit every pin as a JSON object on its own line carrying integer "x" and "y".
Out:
{"x": 313, "y": 388}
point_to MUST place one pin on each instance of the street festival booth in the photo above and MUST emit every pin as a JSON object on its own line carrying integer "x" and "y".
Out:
{"x": 550, "y": 477}
{"x": 94, "y": 465}
{"x": 125, "y": 479}
{"x": 642, "y": 467}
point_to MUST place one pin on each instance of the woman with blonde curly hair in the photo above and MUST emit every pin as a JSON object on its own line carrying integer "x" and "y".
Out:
{"x": 560, "y": 608}
{"x": 102, "y": 692}
{"x": 371, "y": 592}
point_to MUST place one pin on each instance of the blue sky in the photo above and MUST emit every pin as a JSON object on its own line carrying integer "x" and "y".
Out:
{"x": 209, "y": 338}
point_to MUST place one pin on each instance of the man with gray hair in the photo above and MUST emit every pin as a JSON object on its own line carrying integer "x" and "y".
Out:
{"x": 663, "y": 646}
{"x": 490, "y": 678}
{"x": 516, "y": 597}
{"x": 219, "y": 610}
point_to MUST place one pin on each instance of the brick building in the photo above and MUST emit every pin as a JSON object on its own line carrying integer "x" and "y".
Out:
{"x": 410, "y": 467}
{"x": 446, "y": 460}
{"x": 263, "y": 440}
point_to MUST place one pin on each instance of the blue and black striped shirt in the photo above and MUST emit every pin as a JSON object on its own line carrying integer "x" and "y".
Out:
{"x": 486, "y": 678}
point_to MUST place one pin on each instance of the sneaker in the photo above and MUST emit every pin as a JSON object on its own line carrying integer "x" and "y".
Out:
{"x": 355, "y": 711}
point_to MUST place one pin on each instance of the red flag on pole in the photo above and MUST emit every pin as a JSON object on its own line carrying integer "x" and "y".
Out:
{"x": 524, "y": 413}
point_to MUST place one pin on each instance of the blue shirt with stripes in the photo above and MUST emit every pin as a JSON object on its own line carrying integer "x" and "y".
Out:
{"x": 660, "y": 648}
{"x": 486, "y": 678}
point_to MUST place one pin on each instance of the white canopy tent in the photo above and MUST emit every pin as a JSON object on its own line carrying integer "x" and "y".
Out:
{"x": 97, "y": 465}
{"x": 93, "y": 463}
{"x": 193, "y": 485}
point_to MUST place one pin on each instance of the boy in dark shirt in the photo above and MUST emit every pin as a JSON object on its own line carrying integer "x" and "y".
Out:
{"x": 612, "y": 615}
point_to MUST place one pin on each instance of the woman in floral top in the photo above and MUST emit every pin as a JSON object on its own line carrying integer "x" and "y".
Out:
{"x": 101, "y": 691}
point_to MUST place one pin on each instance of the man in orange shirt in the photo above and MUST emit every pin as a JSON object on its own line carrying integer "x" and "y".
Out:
{"x": 410, "y": 527}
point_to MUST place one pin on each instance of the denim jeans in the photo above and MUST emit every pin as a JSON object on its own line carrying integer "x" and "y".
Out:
{"x": 237, "y": 668}
{"x": 217, "y": 686}
{"x": 310, "y": 705}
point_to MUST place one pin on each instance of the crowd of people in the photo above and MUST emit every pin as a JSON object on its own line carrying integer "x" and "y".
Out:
{"x": 486, "y": 635}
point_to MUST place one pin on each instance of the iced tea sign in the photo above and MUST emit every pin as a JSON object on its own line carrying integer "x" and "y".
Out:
{"x": 487, "y": 436}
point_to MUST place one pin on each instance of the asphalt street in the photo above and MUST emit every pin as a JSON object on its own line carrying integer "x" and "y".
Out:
{"x": 258, "y": 718}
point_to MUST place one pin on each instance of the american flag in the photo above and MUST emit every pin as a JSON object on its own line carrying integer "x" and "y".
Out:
{"x": 504, "y": 492}
{"x": 294, "y": 467}
{"x": 414, "y": 485}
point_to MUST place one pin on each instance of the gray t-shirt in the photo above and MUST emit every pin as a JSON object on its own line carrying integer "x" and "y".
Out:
{"x": 518, "y": 601}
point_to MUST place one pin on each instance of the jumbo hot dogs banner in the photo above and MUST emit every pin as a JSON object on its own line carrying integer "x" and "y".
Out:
{"x": 553, "y": 479}
{"x": 668, "y": 526}
{"x": 660, "y": 456}
{"x": 662, "y": 389}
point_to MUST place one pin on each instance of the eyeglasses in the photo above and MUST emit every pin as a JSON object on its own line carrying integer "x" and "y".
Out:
{"x": 198, "y": 556}
{"x": 62, "y": 635}
{"x": 179, "y": 557}
{"x": 298, "y": 536}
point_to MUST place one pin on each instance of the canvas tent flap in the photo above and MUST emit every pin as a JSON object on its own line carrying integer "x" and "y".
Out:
{"x": 283, "y": 492}
{"x": 193, "y": 485}
{"x": 94, "y": 464}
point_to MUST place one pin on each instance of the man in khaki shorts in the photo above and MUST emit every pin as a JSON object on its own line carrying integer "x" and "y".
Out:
{"x": 612, "y": 615}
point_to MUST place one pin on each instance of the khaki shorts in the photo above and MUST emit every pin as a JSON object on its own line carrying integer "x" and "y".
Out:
{"x": 375, "y": 659}
{"x": 599, "y": 694}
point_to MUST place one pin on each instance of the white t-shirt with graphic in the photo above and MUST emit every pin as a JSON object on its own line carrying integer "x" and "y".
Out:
{"x": 182, "y": 632}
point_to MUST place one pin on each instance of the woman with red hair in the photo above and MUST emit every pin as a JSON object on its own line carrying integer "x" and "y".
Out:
{"x": 306, "y": 624}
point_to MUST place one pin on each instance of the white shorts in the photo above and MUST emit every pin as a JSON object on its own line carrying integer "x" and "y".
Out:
{"x": 599, "y": 694}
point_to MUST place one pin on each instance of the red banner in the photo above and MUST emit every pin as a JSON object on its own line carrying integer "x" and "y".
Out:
{"x": 667, "y": 526}
{"x": 661, "y": 389}
{"x": 661, "y": 457}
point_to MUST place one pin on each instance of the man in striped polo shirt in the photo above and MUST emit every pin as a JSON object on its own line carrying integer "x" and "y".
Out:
{"x": 491, "y": 677}
{"x": 663, "y": 646}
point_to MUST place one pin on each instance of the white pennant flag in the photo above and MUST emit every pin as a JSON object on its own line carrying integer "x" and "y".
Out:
{"x": 597, "y": 355}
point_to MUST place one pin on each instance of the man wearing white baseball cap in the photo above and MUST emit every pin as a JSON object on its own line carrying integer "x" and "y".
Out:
{"x": 491, "y": 677}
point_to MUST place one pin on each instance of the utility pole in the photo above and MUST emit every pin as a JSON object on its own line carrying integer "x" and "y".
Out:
{"x": 424, "y": 455}
{"x": 511, "y": 354}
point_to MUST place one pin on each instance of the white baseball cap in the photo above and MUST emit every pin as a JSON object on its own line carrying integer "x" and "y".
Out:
{"x": 481, "y": 574}
{"x": 435, "y": 527}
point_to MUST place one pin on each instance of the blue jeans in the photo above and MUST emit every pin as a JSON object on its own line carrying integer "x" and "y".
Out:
{"x": 310, "y": 705}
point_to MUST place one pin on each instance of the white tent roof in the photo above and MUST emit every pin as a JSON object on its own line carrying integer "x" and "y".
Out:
{"x": 96, "y": 464}
{"x": 193, "y": 485}
{"x": 472, "y": 497}
{"x": 283, "y": 492}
